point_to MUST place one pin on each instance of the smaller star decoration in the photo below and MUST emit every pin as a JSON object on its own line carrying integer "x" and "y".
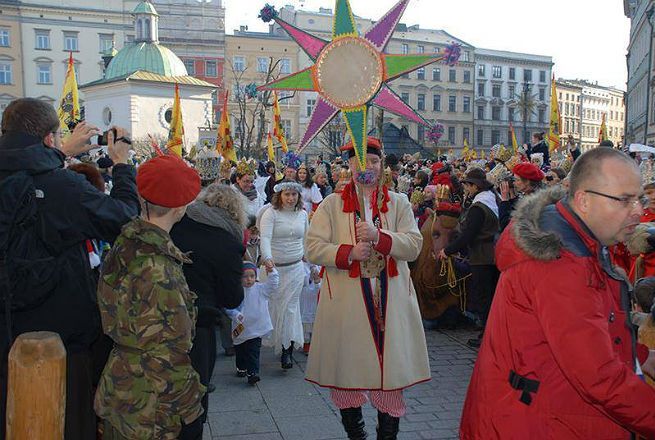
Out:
{"x": 351, "y": 72}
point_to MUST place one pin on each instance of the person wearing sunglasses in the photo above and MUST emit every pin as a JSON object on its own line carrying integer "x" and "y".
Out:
{"x": 560, "y": 358}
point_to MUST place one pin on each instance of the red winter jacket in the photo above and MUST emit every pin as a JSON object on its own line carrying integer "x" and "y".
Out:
{"x": 559, "y": 318}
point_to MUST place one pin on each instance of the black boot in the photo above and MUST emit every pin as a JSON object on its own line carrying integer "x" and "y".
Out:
{"x": 285, "y": 359}
{"x": 387, "y": 426}
{"x": 353, "y": 423}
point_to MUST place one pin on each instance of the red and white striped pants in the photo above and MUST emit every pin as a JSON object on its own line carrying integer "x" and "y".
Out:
{"x": 389, "y": 402}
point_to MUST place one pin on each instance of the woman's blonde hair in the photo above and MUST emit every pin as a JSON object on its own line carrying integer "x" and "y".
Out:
{"x": 227, "y": 198}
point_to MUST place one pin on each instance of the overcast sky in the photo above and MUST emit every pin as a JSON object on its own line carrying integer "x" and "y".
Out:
{"x": 586, "y": 38}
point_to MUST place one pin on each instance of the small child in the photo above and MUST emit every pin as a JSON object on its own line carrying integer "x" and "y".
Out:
{"x": 251, "y": 320}
{"x": 643, "y": 316}
{"x": 309, "y": 301}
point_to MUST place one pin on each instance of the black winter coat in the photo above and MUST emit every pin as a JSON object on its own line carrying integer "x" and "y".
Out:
{"x": 79, "y": 212}
{"x": 215, "y": 274}
{"x": 541, "y": 147}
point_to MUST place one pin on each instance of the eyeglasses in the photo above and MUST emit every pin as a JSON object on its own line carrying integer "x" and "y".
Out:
{"x": 627, "y": 202}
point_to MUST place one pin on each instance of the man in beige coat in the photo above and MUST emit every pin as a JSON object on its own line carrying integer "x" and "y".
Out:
{"x": 368, "y": 340}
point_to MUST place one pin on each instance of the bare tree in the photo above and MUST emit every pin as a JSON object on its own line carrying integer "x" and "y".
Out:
{"x": 252, "y": 109}
{"x": 333, "y": 135}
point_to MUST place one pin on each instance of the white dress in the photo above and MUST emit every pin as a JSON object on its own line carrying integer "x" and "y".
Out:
{"x": 282, "y": 240}
{"x": 311, "y": 196}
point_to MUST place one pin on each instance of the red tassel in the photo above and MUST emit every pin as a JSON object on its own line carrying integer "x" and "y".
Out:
{"x": 354, "y": 271}
{"x": 349, "y": 197}
{"x": 392, "y": 268}
{"x": 322, "y": 272}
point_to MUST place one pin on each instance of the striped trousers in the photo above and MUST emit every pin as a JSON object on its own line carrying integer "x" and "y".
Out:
{"x": 389, "y": 402}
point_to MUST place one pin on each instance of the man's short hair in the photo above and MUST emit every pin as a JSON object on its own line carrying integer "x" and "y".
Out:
{"x": 30, "y": 116}
{"x": 645, "y": 293}
{"x": 586, "y": 167}
{"x": 152, "y": 210}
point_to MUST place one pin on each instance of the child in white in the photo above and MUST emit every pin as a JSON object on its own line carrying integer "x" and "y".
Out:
{"x": 251, "y": 320}
{"x": 309, "y": 300}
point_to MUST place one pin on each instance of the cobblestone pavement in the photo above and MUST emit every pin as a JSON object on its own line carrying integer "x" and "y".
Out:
{"x": 284, "y": 406}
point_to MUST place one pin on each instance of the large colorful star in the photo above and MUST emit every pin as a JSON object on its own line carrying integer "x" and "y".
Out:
{"x": 351, "y": 72}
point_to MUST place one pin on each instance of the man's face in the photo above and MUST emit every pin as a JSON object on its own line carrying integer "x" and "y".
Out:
{"x": 650, "y": 193}
{"x": 611, "y": 221}
{"x": 290, "y": 173}
{"x": 521, "y": 185}
{"x": 245, "y": 182}
{"x": 373, "y": 164}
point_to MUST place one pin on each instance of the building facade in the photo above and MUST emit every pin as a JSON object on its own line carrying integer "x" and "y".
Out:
{"x": 640, "y": 122}
{"x": 11, "y": 67}
{"x": 440, "y": 93}
{"x": 50, "y": 30}
{"x": 510, "y": 88}
{"x": 569, "y": 95}
{"x": 254, "y": 58}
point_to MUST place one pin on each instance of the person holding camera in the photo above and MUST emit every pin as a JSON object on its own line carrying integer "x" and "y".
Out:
{"x": 71, "y": 211}
{"x": 526, "y": 179}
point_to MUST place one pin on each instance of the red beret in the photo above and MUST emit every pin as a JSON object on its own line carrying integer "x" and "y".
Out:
{"x": 167, "y": 181}
{"x": 374, "y": 147}
{"x": 528, "y": 171}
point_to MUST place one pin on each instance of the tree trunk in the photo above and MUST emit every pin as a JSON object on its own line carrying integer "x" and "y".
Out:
{"x": 36, "y": 396}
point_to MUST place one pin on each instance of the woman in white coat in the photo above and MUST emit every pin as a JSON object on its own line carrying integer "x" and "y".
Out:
{"x": 311, "y": 194}
{"x": 282, "y": 227}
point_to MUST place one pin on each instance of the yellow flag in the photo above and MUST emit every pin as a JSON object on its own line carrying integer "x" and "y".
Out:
{"x": 277, "y": 124}
{"x": 176, "y": 132}
{"x": 224, "y": 142}
{"x": 602, "y": 134}
{"x": 69, "y": 106}
{"x": 515, "y": 145}
{"x": 481, "y": 153}
{"x": 555, "y": 121}
{"x": 271, "y": 151}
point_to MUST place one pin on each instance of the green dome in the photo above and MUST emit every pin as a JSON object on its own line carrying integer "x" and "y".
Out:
{"x": 149, "y": 57}
{"x": 145, "y": 8}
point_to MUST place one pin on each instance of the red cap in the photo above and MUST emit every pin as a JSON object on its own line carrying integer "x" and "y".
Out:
{"x": 374, "y": 147}
{"x": 528, "y": 171}
{"x": 167, "y": 181}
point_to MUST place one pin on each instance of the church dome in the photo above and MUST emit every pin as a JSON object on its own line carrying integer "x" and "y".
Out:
{"x": 150, "y": 57}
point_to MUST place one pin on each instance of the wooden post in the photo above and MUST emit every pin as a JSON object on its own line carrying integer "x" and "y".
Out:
{"x": 36, "y": 395}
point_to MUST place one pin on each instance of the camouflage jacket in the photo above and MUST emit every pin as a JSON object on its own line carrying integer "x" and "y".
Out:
{"x": 148, "y": 387}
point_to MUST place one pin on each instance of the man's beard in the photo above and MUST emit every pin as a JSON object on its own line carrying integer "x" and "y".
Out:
{"x": 365, "y": 177}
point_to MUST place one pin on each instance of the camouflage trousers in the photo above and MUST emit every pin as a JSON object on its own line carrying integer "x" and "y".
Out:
{"x": 111, "y": 433}
{"x": 189, "y": 432}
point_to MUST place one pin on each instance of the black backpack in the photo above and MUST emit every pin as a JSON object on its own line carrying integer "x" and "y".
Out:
{"x": 29, "y": 247}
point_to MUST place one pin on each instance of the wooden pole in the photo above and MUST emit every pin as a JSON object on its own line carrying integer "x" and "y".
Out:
{"x": 36, "y": 396}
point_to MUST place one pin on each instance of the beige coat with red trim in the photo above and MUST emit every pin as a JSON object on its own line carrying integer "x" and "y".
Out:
{"x": 343, "y": 354}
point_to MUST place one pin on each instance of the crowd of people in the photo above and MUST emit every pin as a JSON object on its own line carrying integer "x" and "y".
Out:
{"x": 138, "y": 264}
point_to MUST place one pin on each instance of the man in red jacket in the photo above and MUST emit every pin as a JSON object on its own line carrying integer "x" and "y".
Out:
{"x": 559, "y": 354}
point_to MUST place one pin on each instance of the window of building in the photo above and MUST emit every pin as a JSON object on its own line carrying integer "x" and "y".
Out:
{"x": 190, "y": 66}
{"x": 405, "y": 97}
{"x": 466, "y": 134}
{"x": 512, "y": 73}
{"x": 510, "y": 114}
{"x": 44, "y": 73}
{"x": 466, "y": 56}
{"x": 129, "y": 39}
{"x": 436, "y": 74}
{"x": 4, "y": 37}
{"x": 452, "y": 103}
{"x": 495, "y": 91}
{"x": 404, "y": 49}
{"x": 480, "y": 112}
{"x": 420, "y": 49}
{"x": 211, "y": 69}
{"x": 495, "y": 113}
{"x": 542, "y": 113}
{"x": 467, "y": 104}
{"x": 467, "y": 76}
{"x": 497, "y": 71}
{"x": 71, "y": 42}
{"x": 5, "y": 73}
{"x": 214, "y": 98}
{"x": 420, "y": 73}
{"x": 481, "y": 70}
{"x": 480, "y": 137}
{"x": 436, "y": 103}
{"x": 420, "y": 104}
{"x": 42, "y": 39}
{"x": 480, "y": 89}
{"x": 452, "y": 75}
{"x": 105, "y": 42}
{"x": 311, "y": 103}
{"x": 511, "y": 91}
{"x": 542, "y": 76}
{"x": 239, "y": 64}
{"x": 436, "y": 49}
{"x": 420, "y": 134}
{"x": 527, "y": 75}
{"x": 495, "y": 137}
{"x": 262, "y": 64}
{"x": 285, "y": 66}
{"x": 509, "y": 137}
{"x": 542, "y": 94}
{"x": 286, "y": 127}
{"x": 566, "y": 108}
{"x": 451, "y": 135}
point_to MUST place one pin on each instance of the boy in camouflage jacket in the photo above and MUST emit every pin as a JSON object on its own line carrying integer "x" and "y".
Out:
{"x": 148, "y": 388}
